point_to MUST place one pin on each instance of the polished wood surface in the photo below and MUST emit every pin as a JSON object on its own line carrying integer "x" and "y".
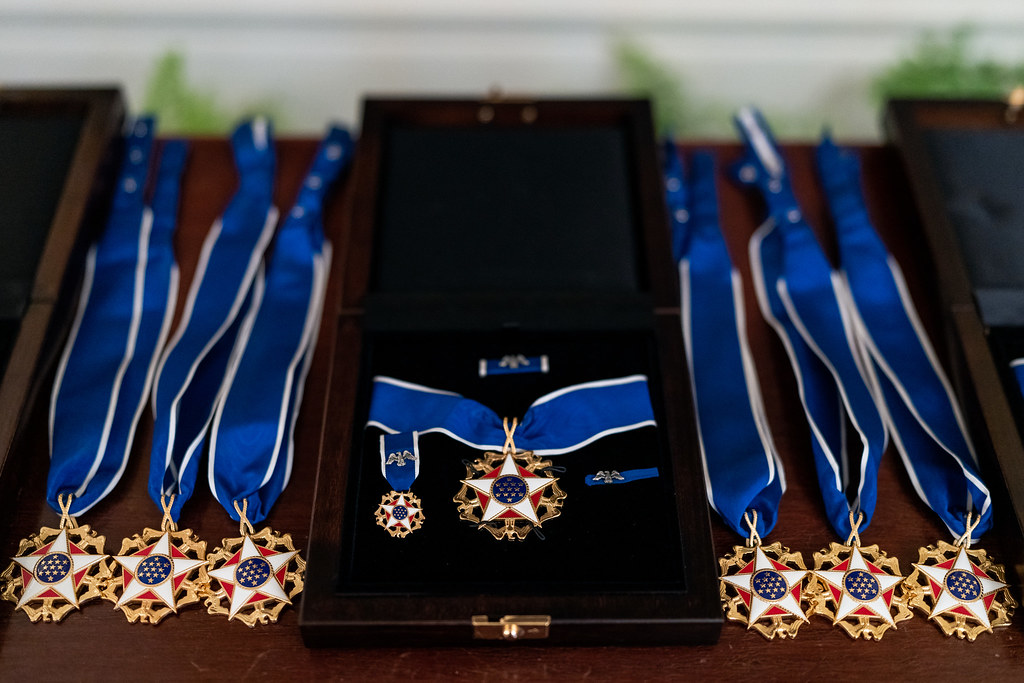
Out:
{"x": 98, "y": 643}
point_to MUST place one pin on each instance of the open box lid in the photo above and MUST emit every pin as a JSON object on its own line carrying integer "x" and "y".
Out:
{"x": 594, "y": 283}
{"x": 511, "y": 213}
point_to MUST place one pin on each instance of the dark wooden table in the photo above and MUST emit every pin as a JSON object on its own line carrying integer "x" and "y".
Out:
{"x": 98, "y": 643}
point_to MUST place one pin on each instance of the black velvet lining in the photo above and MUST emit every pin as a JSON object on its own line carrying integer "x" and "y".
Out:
{"x": 979, "y": 172}
{"x": 507, "y": 211}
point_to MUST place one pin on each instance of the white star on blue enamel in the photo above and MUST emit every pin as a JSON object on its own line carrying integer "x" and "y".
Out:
{"x": 861, "y": 585}
{"x": 53, "y": 568}
{"x": 154, "y": 569}
{"x": 764, "y": 586}
{"x": 508, "y": 489}
{"x": 251, "y": 576}
{"x": 961, "y": 584}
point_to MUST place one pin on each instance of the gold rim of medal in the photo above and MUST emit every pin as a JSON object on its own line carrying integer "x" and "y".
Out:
{"x": 860, "y": 588}
{"x": 156, "y": 572}
{"x": 507, "y": 494}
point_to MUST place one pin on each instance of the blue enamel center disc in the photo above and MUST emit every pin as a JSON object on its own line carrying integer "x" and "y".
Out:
{"x": 508, "y": 489}
{"x": 252, "y": 573}
{"x": 154, "y": 570}
{"x": 861, "y": 585}
{"x": 769, "y": 585}
{"x": 53, "y": 567}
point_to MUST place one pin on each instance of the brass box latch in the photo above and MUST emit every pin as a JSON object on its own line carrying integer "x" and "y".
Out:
{"x": 512, "y": 627}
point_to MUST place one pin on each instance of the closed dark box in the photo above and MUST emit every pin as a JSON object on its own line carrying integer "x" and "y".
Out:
{"x": 484, "y": 229}
{"x": 56, "y": 148}
{"x": 965, "y": 161}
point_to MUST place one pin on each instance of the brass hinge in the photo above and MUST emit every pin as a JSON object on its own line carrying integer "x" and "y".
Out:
{"x": 511, "y": 627}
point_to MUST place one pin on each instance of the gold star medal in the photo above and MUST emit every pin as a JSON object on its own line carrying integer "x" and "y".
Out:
{"x": 859, "y": 588}
{"x": 761, "y": 586}
{"x": 56, "y": 570}
{"x": 961, "y": 590}
{"x": 504, "y": 494}
{"x": 161, "y": 570}
{"x": 258, "y": 573}
{"x": 400, "y": 513}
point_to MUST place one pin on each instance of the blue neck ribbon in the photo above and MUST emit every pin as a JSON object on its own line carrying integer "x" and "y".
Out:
{"x": 805, "y": 302}
{"x": 744, "y": 477}
{"x": 924, "y": 418}
{"x": 251, "y": 443}
{"x": 123, "y": 317}
{"x": 557, "y": 423}
{"x": 194, "y": 364}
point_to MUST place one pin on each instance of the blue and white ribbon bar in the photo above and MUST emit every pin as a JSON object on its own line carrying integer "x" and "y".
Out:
{"x": 624, "y": 477}
{"x": 127, "y": 298}
{"x": 741, "y": 466}
{"x": 920, "y": 408}
{"x": 193, "y": 367}
{"x": 559, "y": 422}
{"x": 804, "y": 301}
{"x": 252, "y": 433}
{"x": 400, "y": 459}
{"x": 517, "y": 364}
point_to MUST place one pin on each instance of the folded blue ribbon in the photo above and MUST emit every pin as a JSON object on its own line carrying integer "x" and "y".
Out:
{"x": 805, "y": 303}
{"x": 193, "y": 366}
{"x": 559, "y": 422}
{"x": 925, "y": 419}
{"x": 745, "y": 479}
{"x": 252, "y": 446}
{"x": 127, "y": 297}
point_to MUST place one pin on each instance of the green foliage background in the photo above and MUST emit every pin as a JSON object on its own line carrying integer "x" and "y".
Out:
{"x": 938, "y": 65}
{"x": 182, "y": 109}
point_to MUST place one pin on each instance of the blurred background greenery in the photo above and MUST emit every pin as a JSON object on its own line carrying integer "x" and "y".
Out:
{"x": 939, "y": 64}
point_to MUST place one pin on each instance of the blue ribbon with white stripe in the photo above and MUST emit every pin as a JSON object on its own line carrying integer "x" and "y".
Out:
{"x": 127, "y": 298}
{"x": 251, "y": 449}
{"x": 193, "y": 366}
{"x": 605, "y": 477}
{"x": 805, "y": 302}
{"x": 744, "y": 477}
{"x": 557, "y": 423}
{"x": 400, "y": 459}
{"x": 517, "y": 364}
{"x": 924, "y": 418}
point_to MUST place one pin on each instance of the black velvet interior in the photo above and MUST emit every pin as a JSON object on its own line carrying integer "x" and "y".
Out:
{"x": 612, "y": 537}
{"x": 506, "y": 210}
{"x": 980, "y": 173}
{"x": 35, "y": 152}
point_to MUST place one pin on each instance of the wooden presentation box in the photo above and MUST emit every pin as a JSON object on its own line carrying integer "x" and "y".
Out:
{"x": 494, "y": 228}
{"x": 56, "y": 152}
{"x": 965, "y": 162}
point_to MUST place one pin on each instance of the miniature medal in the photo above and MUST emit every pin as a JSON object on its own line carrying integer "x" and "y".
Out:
{"x": 161, "y": 570}
{"x": 858, "y": 588}
{"x": 256, "y": 575}
{"x": 56, "y": 570}
{"x": 510, "y": 498}
{"x": 761, "y": 587}
{"x": 963, "y": 591}
{"x": 400, "y": 513}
